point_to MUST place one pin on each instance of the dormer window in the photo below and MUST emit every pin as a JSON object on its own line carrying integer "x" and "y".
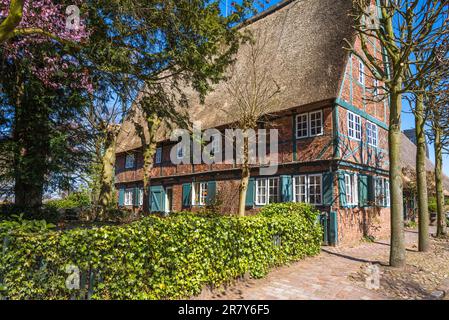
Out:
{"x": 130, "y": 161}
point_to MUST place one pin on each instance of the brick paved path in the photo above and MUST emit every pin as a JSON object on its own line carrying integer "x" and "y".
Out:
{"x": 317, "y": 278}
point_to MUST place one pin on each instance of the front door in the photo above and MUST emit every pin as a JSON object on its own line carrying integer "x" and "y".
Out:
{"x": 168, "y": 199}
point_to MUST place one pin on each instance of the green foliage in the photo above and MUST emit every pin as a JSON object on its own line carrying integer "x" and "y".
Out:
{"x": 411, "y": 224}
{"x": 159, "y": 258}
{"x": 432, "y": 204}
{"x": 73, "y": 200}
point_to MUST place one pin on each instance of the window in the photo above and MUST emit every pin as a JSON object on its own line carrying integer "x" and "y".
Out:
{"x": 180, "y": 152}
{"x": 308, "y": 189}
{"x": 371, "y": 133}
{"x": 273, "y": 190}
{"x": 302, "y": 121}
{"x": 316, "y": 123}
{"x": 128, "y": 197}
{"x": 140, "y": 197}
{"x": 382, "y": 192}
{"x": 130, "y": 160}
{"x": 199, "y": 194}
{"x": 361, "y": 72}
{"x": 351, "y": 186}
{"x": 376, "y": 87}
{"x": 354, "y": 126}
{"x": 158, "y": 155}
{"x": 261, "y": 191}
{"x": 315, "y": 194}
{"x": 216, "y": 144}
{"x": 300, "y": 189}
{"x": 309, "y": 124}
{"x": 267, "y": 191}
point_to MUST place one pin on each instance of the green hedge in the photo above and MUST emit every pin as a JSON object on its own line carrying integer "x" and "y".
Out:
{"x": 156, "y": 258}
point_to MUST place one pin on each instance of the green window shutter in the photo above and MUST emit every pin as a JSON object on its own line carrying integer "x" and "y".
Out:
{"x": 136, "y": 197}
{"x": 328, "y": 189}
{"x": 121, "y": 197}
{"x": 286, "y": 189}
{"x": 371, "y": 192}
{"x": 250, "y": 193}
{"x": 157, "y": 199}
{"x": 186, "y": 195}
{"x": 211, "y": 192}
{"x": 333, "y": 228}
{"x": 363, "y": 191}
{"x": 342, "y": 190}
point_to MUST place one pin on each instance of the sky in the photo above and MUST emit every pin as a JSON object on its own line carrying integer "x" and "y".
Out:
{"x": 408, "y": 121}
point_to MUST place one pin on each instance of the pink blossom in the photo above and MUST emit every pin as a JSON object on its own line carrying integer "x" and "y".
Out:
{"x": 50, "y": 17}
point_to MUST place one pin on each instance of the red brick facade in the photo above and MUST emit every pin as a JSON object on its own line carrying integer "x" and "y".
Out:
{"x": 333, "y": 154}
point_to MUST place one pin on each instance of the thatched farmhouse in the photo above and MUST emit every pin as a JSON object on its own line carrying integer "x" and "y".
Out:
{"x": 333, "y": 148}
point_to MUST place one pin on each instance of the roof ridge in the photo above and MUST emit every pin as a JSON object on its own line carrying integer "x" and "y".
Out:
{"x": 266, "y": 12}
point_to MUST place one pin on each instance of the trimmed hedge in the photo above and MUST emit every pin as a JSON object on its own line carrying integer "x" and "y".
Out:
{"x": 156, "y": 258}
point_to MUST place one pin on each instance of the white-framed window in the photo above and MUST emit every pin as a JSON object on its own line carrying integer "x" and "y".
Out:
{"x": 302, "y": 125}
{"x": 267, "y": 191}
{"x": 300, "y": 189}
{"x": 315, "y": 189}
{"x": 141, "y": 197}
{"x": 351, "y": 186}
{"x": 215, "y": 148}
{"x": 199, "y": 193}
{"x": 354, "y": 126}
{"x": 371, "y": 134}
{"x": 361, "y": 72}
{"x": 387, "y": 193}
{"x": 159, "y": 155}
{"x": 316, "y": 123}
{"x": 180, "y": 152}
{"x": 130, "y": 161}
{"x": 308, "y": 189}
{"x": 273, "y": 190}
{"x": 128, "y": 197}
{"x": 261, "y": 191}
{"x": 309, "y": 124}
{"x": 375, "y": 87}
{"x": 382, "y": 191}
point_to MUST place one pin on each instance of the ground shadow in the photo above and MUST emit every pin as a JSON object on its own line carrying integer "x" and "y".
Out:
{"x": 353, "y": 258}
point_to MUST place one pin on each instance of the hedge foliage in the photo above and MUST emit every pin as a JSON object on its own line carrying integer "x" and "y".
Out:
{"x": 156, "y": 258}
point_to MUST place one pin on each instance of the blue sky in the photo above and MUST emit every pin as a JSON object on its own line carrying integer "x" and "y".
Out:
{"x": 407, "y": 117}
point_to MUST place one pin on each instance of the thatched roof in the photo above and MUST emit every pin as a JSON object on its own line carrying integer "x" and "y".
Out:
{"x": 408, "y": 159}
{"x": 305, "y": 39}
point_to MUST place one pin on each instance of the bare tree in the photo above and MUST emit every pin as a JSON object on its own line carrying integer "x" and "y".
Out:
{"x": 253, "y": 94}
{"x": 400, "y": 26}
{"x": 439, "y": 122}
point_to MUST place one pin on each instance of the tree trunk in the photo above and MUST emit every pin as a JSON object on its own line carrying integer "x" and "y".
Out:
{"x": 245, "y": 178}
{"x": 106, "y": 198}
{"x": 421, "y": 177}
{"x": 397, "y": 250}
{"x": 441, "y": 219}
{"x": 148, "y": 150}
{"x": 32, "y": 147}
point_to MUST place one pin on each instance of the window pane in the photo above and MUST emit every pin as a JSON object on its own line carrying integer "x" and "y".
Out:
{"x": 302, "y": 125}
{"x": 316, "y": 125}
{"x": 261, "y": 191}
{"x": 273, "y": 190}
{"x": 315, "y": 189}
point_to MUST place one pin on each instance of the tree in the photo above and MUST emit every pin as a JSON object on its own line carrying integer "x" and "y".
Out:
{"x": 401, "y": 27}
{"x": 44, "y": 88}
{"x": 253, "y": 93}
{"x": 439, "y": 123}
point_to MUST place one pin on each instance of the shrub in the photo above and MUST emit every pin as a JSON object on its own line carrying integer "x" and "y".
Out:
{"x": 73, "y": 200}
{"x": 157, "y": 258}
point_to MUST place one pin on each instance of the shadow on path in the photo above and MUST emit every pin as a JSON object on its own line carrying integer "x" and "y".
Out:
{"x": 352, "y": 258}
